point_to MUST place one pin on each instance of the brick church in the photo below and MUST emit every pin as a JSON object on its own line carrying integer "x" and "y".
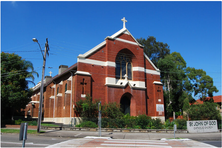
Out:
{"x": 116, "y": 70}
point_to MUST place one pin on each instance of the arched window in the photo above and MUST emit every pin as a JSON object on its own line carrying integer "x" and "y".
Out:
{"x": 57, "y": 90}
{"x": 123, "y": 66}
{"x": 66, "y": 87}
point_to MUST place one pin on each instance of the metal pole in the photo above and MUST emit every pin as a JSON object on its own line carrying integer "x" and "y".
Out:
{"x": 99, "y": 121}
{"x": 41, "y": 90}
{"x": 24, "y": 135}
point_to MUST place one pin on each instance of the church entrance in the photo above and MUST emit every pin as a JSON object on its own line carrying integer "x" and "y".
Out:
{"x": 125, "y": 103}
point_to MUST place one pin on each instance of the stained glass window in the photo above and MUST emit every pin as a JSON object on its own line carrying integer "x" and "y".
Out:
{"x": 123, "y": 66}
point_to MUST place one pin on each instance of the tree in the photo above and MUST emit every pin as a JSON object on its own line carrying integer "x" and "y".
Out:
{"x": 153, "y": 49}
{"x": 15, "y": 93}
{"x": 200, "y": 83}
{"x": 205, "y": 111}
{"x": 172, "y": 69}
{"x": 186, "y": 107}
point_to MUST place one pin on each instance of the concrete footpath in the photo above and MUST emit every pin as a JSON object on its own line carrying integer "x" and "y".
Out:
{"x": 92, "y": 139}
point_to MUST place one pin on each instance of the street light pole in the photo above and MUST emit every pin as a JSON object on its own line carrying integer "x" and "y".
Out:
{"x": 42, "y": 85}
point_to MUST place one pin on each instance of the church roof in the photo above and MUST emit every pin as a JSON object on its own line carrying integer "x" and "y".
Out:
{"x": 113, "y": 37}
{"x": 217, "y": 99}
{"x": 74, "y": 66}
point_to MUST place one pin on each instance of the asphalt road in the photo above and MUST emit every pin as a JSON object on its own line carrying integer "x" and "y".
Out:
{"x": 12, "y": 140}
{"x": 214, "y": 143}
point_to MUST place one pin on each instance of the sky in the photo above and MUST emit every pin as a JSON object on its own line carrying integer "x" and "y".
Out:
{"x": 73, "y": 27}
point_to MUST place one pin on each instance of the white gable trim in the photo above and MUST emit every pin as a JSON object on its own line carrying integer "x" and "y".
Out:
{"x": 134, "y": 38}
{"x": 118, "y": 33}
{"x": 92, "y": 50}
{"x": 151, "y": 62}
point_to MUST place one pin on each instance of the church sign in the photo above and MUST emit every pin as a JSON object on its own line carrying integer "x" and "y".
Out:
{"x": 202, "y": 126}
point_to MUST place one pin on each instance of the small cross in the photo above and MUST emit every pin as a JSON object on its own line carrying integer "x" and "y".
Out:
{"x": 83, "y": 86}
{"x": 124, "y": 21}
{"x": 50, "y": 73}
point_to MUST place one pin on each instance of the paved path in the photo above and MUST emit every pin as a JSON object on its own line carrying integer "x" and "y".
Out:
{"x": 108, "y": 142}
{"x": 139, "y": 136}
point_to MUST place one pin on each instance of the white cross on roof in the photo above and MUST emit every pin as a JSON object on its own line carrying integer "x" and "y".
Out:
{"x": 50, "y": 73}
{"x": 124, "y": 21}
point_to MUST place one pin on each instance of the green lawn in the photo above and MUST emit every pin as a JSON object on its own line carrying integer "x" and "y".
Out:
{"x": 51, "y": 125}
{"x": 18, "y": 130}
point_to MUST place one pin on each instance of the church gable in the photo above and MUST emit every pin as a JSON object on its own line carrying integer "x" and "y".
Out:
{"x": 126, "y": 36}
{"x": 98, "y": 54}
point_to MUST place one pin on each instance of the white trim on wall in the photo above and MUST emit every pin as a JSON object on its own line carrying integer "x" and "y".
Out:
{"x": 122, "y": 83}
{"x": 83, "y": 73}
{"x": 97, "y": 62}
{"x": 154, "y": 72}
{"x": 138, "y": 69}
{"x": 157, "y": 82}
{"x": 52, "y": 97}
{"x": 68, "y": 92}
{"x": 59, "y": 95}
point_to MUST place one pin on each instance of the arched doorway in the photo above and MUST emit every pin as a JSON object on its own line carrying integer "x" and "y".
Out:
{"x": 125, "y": 103}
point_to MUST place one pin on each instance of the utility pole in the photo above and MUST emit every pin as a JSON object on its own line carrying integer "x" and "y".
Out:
{"x": 42, "y": 84}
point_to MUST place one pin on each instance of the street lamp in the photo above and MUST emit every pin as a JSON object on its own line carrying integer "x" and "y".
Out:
{"x": 42, "y": 85}
{"x": 35, "y": 40}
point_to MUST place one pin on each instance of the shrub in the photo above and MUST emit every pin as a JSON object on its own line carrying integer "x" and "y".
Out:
{"x": 130, "y": 121}
{"x": 219, "y": 124}
{"x": 156, "y": 124}
{"x": 89, "y": 124}
{"x": 181, "y": 123}
{"x": 168, "y": 124}
{"x": 18, "y": 122}
{"x": 143, "y": 121}
{"x": 87, "y": 108}
{"x": 112, "y": 110}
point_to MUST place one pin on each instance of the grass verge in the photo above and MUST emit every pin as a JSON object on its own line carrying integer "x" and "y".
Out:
{"x": 18, "y": 130}
{"x": 50, "y": 125}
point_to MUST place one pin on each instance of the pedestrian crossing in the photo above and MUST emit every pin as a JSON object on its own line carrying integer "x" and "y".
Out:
{"x": 134, "y": 143}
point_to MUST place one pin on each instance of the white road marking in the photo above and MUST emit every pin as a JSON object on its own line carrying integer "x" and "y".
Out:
{"x": 124, "y": 145}
{"x": 29, "y": 143}
{"x": 56, "y": 145}
{"x": 77, "y": 134}
{"x": 133, "y": 142}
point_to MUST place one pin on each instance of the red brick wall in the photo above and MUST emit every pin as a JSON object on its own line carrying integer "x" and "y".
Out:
{"x": 126, "y": 37}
